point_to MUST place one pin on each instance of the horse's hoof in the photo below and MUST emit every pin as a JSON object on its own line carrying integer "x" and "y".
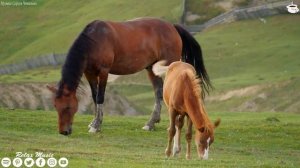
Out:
{"x": 93, "y": 130}
{"x": 168, "y": 153}
{"x": 148, "y": 128}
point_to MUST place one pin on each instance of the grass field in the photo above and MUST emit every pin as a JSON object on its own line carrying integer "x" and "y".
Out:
{"x": 252, "y": 52}
{"x": 51, "y": 26}
{"x": 242, "y": 140}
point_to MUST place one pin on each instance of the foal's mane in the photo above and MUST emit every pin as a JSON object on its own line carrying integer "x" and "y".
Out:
{"x": 197, "y": 91}
{"x": 74, "y": 65}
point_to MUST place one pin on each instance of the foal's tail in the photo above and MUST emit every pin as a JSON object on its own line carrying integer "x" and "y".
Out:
{"x": 192, "y": 54}
{"x": 160, "y": 68}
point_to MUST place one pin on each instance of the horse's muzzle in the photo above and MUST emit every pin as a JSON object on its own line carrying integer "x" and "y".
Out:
{"x": 66, "y": 132}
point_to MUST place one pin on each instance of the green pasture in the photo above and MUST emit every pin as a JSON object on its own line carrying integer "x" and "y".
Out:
{"x": 51, "y": 26}
{"x": 236, "y": 55}
{"x": 242, "y": 140}
{"x": 252, "y": 52}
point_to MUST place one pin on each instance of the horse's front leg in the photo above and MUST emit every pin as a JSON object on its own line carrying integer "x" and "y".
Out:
{"x": 172, "y": 131}
{"x": 157, "y": 84}
{"x": 188, "y": 137}
{"x": 95, "y": 126}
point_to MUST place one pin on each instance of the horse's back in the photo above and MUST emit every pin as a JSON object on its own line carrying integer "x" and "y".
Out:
{"x": 176, "y": 84}
{"x": 135, "y": 44}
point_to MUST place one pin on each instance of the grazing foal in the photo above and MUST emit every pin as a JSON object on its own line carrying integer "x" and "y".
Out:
{"x": 182, "y": 95}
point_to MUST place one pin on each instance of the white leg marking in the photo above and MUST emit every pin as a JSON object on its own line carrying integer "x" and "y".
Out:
{"x": 92, "y": 130}
{"x": 176, "y": 142}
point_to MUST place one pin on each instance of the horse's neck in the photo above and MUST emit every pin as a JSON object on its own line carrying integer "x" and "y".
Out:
{"x": 196, "y": 112}
{"x": 71, "y": 76}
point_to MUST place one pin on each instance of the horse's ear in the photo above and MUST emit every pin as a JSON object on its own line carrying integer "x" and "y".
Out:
{"x": 217, "y": 122}
{"x": 51, "y": 88}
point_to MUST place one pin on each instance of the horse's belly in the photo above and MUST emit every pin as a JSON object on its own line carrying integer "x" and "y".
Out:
{"x": 130, "y": 66}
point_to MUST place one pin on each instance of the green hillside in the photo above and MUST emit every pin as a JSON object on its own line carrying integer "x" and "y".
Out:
{"x": 252, "y": 52}
{"x": 242, "y": 140}
{"x": 51, "y": 26}
{"x": 259, "y": 57}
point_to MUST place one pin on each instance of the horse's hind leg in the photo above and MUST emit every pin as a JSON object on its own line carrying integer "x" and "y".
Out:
{"x": 157, "y": 83}
{"x": 179, "y": 124}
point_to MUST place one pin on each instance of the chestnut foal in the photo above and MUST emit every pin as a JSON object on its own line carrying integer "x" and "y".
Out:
{"x": 182, "y": 95}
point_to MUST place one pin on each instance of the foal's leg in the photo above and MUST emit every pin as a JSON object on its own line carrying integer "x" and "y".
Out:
{"x": 95, "y": 126}
{"x": 188, "y": 137}
{"x": 179, "y": 124}
{"x": 157, "y": 84}
{"x": 172, "y": 130}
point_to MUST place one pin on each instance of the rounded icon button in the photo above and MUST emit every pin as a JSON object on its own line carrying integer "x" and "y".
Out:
{"x": 17, "y": 162}
{"x": 28, "y": 162}
{"x": 63, "y": 162}
{"x": 6, "y": 162}
{"x": 40, "y": 162}
{"x": 51, "y": 162}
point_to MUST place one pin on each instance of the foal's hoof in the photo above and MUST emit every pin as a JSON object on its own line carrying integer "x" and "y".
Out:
{"x": 176, "y": 151}
{"x": 168, "y": 153}
{"x": 188, "y": 157}
{"x": 93, "y": 130}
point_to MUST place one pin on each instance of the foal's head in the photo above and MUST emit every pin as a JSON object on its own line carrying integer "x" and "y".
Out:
{"x": 66, "y": 105}
{"x": 204, "y": 138}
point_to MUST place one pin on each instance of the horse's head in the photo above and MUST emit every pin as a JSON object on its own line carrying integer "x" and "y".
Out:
{"x": 66, "y": 105}
{"x": 204, "y": 138}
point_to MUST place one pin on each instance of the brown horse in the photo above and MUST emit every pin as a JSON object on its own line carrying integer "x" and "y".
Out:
{"x": 182, "y": 97}
{"x": 121, "y": 48}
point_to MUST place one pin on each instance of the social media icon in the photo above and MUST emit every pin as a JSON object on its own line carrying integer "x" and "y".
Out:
{"x": 40, "y": 162}
{"x": 6, "y": 162}
{"x": 17, "y": 162}
{"x": 63, "y": 162}
{"x": 51, "y": 162}
{"x": 28, "y": 162}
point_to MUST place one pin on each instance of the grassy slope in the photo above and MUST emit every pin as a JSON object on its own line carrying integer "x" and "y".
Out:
{"x": 236, "y": 55}
{"x": 251, "y": 52}
{"x": 243, "y": 140}
{"x": 51, "y": 26}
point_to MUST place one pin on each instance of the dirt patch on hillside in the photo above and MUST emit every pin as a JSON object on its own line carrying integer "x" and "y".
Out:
{"x": 277, "y": 97}
{"x": 38, "y": 97}
{"x": 243, "y": 92}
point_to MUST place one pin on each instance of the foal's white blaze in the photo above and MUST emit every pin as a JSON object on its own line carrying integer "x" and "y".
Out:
{"x": 176, "y": 142}
{"x": 205, "y": 156}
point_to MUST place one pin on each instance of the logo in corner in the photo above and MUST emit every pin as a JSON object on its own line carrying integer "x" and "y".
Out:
{"x": 292, "y": 8}
{"x": 6, "y": 162}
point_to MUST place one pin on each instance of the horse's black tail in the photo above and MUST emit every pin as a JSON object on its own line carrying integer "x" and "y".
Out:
{"x": 192, "y": 54}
